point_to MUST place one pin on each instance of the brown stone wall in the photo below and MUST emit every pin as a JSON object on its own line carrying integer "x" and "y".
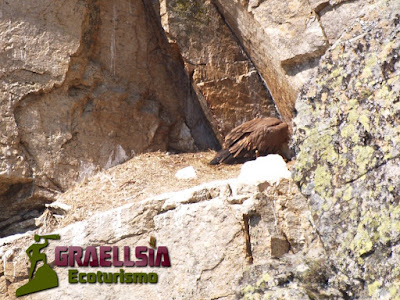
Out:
{"x": 86, "y": 85}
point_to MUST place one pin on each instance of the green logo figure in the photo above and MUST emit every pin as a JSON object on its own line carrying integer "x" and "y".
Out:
{"x": 45, "y": 277}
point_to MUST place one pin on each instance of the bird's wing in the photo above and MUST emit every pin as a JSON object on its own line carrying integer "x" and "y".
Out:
{"x": 242, "y": 131}
{"x": 273, "y": 138}
{"x": 265, "y": 138}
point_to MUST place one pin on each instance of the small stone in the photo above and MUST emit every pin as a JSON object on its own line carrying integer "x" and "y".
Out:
{"x": 186, "y": 173}
{"x": 59, "y": 208}
{"x": 279, "y": 246}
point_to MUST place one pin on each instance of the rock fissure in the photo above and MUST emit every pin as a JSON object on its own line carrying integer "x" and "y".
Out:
{"x": 225, "y": 296}
{"x": 249, "y": 255}
{"x": 372, "y": 169}
{"x": 211, "y": 268}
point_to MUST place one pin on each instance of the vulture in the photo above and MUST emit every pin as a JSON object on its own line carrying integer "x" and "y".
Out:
{"x": 260, "y": 136}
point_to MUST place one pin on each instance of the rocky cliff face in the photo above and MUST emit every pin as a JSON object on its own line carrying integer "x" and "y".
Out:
{"x": 347, "y": 133}
{"x": 285, "y": 39}
{"x": 226, "y": 81}
{"x": 89, "y": 84}
{"x": 85, "y": 85}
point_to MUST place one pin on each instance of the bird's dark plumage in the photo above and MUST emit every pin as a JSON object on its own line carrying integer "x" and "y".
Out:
{"x": 262, "y": 135}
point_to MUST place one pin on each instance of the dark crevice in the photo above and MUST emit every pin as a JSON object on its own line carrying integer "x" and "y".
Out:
{"x": 345, "y": 293}
{"x": 210, "y": 269}
{"x": 287, "y": 240}
{"x": 321, "y": 6}
{"x": 195, "y": 109}
{"x": 367, "y": 254}
{"x": 372, "y": 169}
{"x": 194, "y": 64}
{"x": 54, "y": 183}
{"x": 301, "y": 61}
{"x": 249, "y": 254}
{"x": 123, "y": 238}
{"x": 227, "y": 296}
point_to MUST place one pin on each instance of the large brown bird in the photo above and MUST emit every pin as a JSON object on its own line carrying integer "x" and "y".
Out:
{"x": 261, "y": 136}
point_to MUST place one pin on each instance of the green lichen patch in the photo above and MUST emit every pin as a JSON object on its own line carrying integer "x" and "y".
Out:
{"x": 322, "y": 180}
{"x": 374, "y": 287}
{"x": 348, "y": 150}
{"x": 364, "y": 157}
{"x": 362, "y": 243}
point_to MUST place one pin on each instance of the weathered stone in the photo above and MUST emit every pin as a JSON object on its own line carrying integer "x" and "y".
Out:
{"x": 285, "y": 39}
{"x": 279, "y": 246}
{"x": 9, "y": 221}
{"x": 31, "y": 214}
{"x": 318, "y": 5}
{"x": 335, "y": 19}
{"x": 223, "y": 75}
{"x": 86, "y": 85}
{"x": 9, "y": 271}
{"x": 19, "y": 227}
{"x": 58, "y": 207}
{"x": 348, "y": 137}
{"x": 258, "y": 45}
{"x": 3, "y": 286}
{"x": 12, "y": 288}
{"x": 205, "y": 236}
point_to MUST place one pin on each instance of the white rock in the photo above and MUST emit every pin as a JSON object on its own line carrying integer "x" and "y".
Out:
{"x": 204, "y": 233}
{"x": 186, "y": 173}
{"x": 11, "y": 238}
{"x": 271, "y": 168}
{"x": 58, "y": 207}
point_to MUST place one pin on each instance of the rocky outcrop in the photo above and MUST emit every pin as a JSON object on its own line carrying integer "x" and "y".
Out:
{"x": 80, "y": 92}
{"x": 285, "y": 39}
{"x": 231, "y": 47}
{"x": 88, "y": 84}
{"x": 222, "y": 237}
{"x": 348, "y": 139}
{"x": 84, "y": 86}
{"x": 226, "y": 81}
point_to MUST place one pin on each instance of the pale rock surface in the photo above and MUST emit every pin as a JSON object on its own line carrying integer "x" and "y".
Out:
{"x": 85, "y": 85}
{"x": 186, "y": 173}
{"x": 213, "y": 232}
{"x": 285, "y": 39}
{"x": 58, "y": 207}
{"x": 271, "y": 168}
